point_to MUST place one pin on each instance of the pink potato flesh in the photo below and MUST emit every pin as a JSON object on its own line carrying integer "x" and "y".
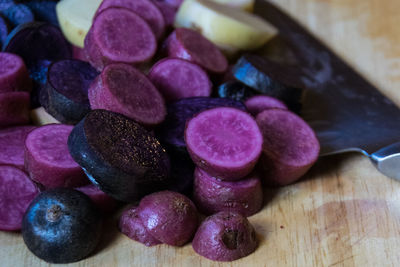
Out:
{"x": 16, "y": 193}
{"x": 225, "y": 142}
{"x": 12, "y": 143}
{"x": 176, "y": 79}
{"x": 225, "y": 236}
{"x": 103, "y": 202}
{"x": 144, "y": 8}
{"x": 14, "y": 108}
{"x": 169, "y": 217}
{"x": 119, "y": 35}
{"x": 258, "y": 103}
{"x": 47, "y": 159}
{"x": 290, "y": 146}
{"x": 13, "y": 74}
{"x": 212, "y": 195}
{"x": 192, "y": 46}
{"x": 124, "y": 89}
{"x": 131, "y": 226}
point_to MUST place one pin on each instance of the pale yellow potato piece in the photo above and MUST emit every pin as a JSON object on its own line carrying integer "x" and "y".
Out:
{"x": 229, "y": 28}
{"x": 39, "y": 117}
{"x": 75, "y": 18}
{"x": 246, "y": 5}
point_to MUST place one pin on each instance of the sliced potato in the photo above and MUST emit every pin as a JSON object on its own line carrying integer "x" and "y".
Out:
{"x": 229, "y": 28}
{"x": 39, "y": 116}
{"x": 75, "y": 18}
{"x": 246, "y": 5}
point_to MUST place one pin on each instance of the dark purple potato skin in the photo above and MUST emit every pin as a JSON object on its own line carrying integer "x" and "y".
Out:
{"x": 18, "y": 14}
{"x": 225, "y": 236}
{"x": 271, "y": 78}
{"x": 119, "y": 156}
{"x": 16, "y": 193}
{"x": 4, "y": 30}
{"x": 44, "y": 10}
{"x": 46, "y": 42}
{"x": 182, "y": 170}
{"x": 131, "y": 226}
{"x": 171, "y": 131}
{"x": 61, "y": 226}
{"x": 169, "y": 217}
{"x": 290, "y": 146}
{"x": 67, "y": 87}
{"x": 212, "y": 195}
{"x": 235, "y": 90}
{"x": 38, "y": 73}
{"x": 4, "y": 4}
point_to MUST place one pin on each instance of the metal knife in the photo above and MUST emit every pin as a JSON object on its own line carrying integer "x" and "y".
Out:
{"x": 346, "y": 111}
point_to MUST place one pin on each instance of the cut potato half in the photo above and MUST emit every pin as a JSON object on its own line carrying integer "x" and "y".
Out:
{"x": 39, "y": 117}
{"x": 246, "y": 5}
{"x": 75, "y": 18}
{"x": 229, "y": 28}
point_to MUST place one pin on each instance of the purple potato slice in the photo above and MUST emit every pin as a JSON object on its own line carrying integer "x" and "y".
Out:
{"x": 67, "y": 87}
{"x": 290, "y": 146}
{"x": 12, "y": 143}
{"x": 171, "y": 131}
{"x": 47, "y": 159}
{"x": 144, "y": 8}
{"x": 177, "y": 78}
{"x": 16, "y": 193}
{"x": 226, "y": 142}
{"x": 119, "y": 156}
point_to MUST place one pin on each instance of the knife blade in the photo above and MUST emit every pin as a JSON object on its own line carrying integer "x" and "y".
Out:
{"x": 346, "y": 111}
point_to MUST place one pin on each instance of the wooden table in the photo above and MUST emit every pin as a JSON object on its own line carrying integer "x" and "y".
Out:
{"x": 343, "y": 213}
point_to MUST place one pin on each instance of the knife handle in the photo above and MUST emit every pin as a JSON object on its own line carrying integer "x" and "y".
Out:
{"x": 387, "y": 160}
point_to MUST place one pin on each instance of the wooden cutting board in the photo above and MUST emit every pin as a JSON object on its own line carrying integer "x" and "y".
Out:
{"x": 343, "y": 213}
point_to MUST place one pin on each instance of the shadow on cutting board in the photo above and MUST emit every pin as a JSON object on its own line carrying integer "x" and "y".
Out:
{"x": 110, "y": 233}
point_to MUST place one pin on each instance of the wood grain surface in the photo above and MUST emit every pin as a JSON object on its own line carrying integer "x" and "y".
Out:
{"x": 343, "y": 213}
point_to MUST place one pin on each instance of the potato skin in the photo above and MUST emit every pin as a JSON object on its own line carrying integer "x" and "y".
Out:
{"x": 290, "y": 147}
{"x": 61, "y": 226}
{"x": 169, "y": 217}
{"x": 212, "y": 195}
{"x": 131, "y": 226}
{"x": 225, "y": 236}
